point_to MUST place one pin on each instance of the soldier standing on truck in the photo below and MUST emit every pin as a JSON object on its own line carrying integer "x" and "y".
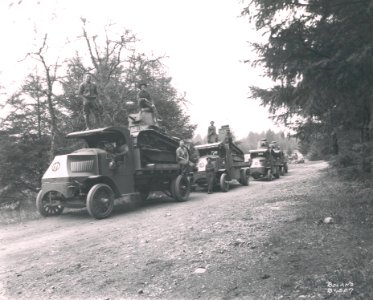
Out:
{"x": 146, "y": 103}
{"x": 210, "y": 175}
{"x": 88, "y": 92}
{"x": 182, "y": 156}
{"x": 211, "y": 134}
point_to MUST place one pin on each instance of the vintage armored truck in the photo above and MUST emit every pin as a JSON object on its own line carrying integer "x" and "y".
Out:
{"x": 93, "y": 177}
{"x": 268, "y": 161}
{"x": 228, "y": 160}
{"x": 263, "y": 164}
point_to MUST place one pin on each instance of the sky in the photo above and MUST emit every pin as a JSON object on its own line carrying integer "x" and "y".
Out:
{"x": 205, "y": 41}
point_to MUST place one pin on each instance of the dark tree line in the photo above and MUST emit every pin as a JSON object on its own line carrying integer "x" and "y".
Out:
{"x": 319, "y": 55}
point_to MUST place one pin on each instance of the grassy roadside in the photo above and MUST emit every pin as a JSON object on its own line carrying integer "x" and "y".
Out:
{"x": 24, "y": 211}
{"x": 314, "y": 260}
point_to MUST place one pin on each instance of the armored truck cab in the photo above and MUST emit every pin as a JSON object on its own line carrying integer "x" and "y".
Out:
{"x": 263, "y": 164}
{"x": 229, "y": 164}
{"x": 93, "y": 177}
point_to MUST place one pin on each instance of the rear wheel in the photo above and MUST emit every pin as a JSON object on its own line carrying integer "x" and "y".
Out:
{"x": 224, "y": 183}
{"x": 180, "y": 188}
{"x": 100, "y": 201}
{"x": 48, "y": 204}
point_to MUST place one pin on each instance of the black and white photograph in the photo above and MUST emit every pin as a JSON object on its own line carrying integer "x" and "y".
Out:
{"x": 186, "y": 149}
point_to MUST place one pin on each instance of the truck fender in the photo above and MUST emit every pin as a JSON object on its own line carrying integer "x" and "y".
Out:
{"x": 92, "y": 180}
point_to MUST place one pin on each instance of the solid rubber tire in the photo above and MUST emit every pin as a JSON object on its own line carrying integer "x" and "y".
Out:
{"x": 224, "y": 185}
{"x": 91, "y": 201}
{"x": 57, "y": 209}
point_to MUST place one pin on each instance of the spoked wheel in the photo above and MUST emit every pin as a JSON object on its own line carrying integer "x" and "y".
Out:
{"x": 180, "y": 188}
{"x": 100, "y": 201}
{"x": 224, "y": 184}
{"x": 49, "y": 204}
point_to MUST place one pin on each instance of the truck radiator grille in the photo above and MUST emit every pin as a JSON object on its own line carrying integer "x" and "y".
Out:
{"x": 81, "y": 166}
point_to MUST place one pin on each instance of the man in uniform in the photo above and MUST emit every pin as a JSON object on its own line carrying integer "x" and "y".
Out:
{"x": 182, "y": 156}
{"x": 210, "y": 175}
{"x": 146, "y": 103}
{"x": 116, "y": 153}
{"x": 211, "y": 133}
{"x": 88, "y": 92}
{"x": 193, "y": 155}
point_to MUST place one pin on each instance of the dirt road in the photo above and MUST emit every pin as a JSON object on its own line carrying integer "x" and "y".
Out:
{"x": 241, "y": 244}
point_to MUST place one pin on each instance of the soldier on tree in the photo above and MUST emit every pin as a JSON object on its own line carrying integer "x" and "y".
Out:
{"x": 88, "y": 92}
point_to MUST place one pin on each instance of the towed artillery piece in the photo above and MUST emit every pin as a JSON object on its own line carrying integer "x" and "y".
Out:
{"x": 227, "y": 159}
{"x": 93, "y": 177}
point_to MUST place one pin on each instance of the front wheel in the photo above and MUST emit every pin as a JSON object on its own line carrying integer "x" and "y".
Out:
{"x": 224, "y": 184}
{"x": 100, "y": 201}
{"x": 49, "y": 204}
{"x": 180, "y": 188}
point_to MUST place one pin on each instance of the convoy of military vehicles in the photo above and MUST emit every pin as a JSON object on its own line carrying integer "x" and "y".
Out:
{"x": 141, "y": 158}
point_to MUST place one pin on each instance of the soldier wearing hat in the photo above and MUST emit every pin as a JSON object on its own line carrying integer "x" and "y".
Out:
{"x": 143, "y": 96}
{"x": 145, "y": 101}
{"x": 88, "y": 92}
{"x": 212, "y": 137}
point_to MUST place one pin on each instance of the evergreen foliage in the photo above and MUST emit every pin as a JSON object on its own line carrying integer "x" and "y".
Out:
{"x": 319, "y": 55}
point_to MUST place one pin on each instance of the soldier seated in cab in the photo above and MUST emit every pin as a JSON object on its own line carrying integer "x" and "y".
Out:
{"x": 115, "y": 153}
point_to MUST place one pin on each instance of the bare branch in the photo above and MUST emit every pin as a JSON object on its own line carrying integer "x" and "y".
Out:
{"x": 94, "y": 62}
